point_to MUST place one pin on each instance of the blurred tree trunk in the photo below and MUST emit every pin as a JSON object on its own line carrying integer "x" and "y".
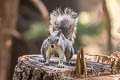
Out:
{"x": 107, "y": 16}
{"x": 113, "y": 7}
{"x": 8, "y": 11}
{"x": 114, "y": 11}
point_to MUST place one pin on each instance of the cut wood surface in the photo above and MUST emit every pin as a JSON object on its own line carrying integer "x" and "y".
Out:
{"x": 31, "y": 67}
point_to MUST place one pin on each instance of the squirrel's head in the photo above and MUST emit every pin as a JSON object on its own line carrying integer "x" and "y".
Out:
{"x": 54, "y": 38}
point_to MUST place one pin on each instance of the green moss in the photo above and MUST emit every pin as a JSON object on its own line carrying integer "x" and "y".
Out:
{"x": 90, "y": 30}
{"x": 36, "y": 31}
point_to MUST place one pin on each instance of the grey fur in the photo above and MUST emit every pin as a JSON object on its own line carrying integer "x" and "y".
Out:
{"x": 60, "y": 42}
{"x": 66, "y": 20}
{"x": 64, "y": 45}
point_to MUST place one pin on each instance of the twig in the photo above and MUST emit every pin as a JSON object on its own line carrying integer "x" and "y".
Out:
{"x": 78, "y": 64}
{"x": 80, "y": 68}
{"x": 83, "y": 63}
{"x": 12, "y": 32}
{"x": 42, "y": 8}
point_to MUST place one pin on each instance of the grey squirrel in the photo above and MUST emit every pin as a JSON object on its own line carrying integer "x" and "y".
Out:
{"x": 61, "y": 35}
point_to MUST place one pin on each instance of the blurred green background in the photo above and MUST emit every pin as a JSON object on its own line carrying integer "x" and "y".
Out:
{"x": 23, "y": 25}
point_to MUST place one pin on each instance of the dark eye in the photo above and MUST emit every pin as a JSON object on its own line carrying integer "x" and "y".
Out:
{"x": 48, "y": 39}
{"x": 57, "y": 40}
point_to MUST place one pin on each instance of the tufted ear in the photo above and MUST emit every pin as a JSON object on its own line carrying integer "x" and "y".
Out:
{"x": 48, "y": 32}
{"x": 59, "y": 32}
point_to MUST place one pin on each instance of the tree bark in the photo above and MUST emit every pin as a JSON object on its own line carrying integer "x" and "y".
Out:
{"x": 8, "y": 13}
{"x": 31, "y": 67}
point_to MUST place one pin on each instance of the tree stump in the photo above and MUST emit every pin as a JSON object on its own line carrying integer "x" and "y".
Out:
{"x": 31, "y": 67}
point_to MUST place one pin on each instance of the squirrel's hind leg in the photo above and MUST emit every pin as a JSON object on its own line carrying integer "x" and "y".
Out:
{"x": 69, "y": 54}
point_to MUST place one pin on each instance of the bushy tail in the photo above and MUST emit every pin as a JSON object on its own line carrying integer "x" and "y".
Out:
{"x": 65, "y": 20}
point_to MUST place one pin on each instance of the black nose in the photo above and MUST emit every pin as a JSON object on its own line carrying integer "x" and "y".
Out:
{"x": 52, "y": 46}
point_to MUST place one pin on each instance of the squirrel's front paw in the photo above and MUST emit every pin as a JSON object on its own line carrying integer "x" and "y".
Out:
{"x": 41, "y": 60}
{"x": 60, "y": 66}
{"x": 47, "y": 63}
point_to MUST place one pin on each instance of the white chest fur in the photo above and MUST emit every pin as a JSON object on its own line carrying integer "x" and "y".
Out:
{"x": 56, "y": 50}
